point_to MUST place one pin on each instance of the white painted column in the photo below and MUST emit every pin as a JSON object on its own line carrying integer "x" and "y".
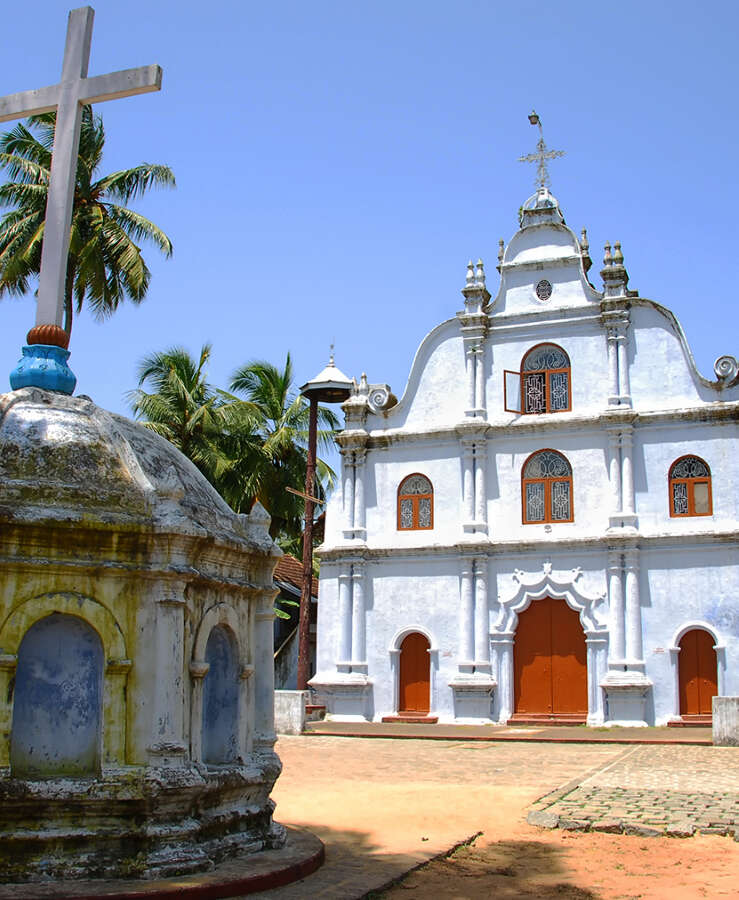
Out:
{"x": 470, "y": 378}
{"x": 613, "y": 389}
{"x": 264, "y": 673}
{"x": 504, "y": 643}
{"x": 466, "y": 614}
{"x": 624, "y": 387}
{"x": 468, "y": 486}
{"x": 614, "y": 469}
{"x": 480, "y": 380}
{"x": 480, "y": 486}
{"x": 359, "y": 471}
{"x": 482, "y": 644}
{"x": 627, "y": 469}
{"x": 345, "y": 617}
{"x": 359, "y": 648}
{"x": 634, "y": 651}
{"x": 168, "y": 688}
{"x": 347, "y": 463}
{"x": 198, "y": 670}
{"x": 617, "y": 650}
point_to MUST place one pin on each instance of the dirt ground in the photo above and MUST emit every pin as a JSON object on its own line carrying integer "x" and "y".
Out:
{"x": 533, "y": 863}
{"x": 383, "y": 807}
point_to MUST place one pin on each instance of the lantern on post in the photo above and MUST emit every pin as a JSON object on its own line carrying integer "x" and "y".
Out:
{"x": 329, "y": 386}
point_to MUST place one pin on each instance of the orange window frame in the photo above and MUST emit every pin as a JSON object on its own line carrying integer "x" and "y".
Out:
{"x": 547, "y": 482}
{"x": 690, "y": 491}
{"x": 546, "y": 373}
{"x": 547, "y": 392}
{"x": 415, "y": 498}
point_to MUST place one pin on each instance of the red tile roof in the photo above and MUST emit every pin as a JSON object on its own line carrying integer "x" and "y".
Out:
{"x": 290, "y": 570}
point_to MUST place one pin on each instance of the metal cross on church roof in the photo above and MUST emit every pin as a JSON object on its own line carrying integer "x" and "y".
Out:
{"x": 542, "y": 154}
{"x": 67, "y": 97}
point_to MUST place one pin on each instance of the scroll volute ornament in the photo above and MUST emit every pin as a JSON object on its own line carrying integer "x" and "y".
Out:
{"x": 51, "y": 335}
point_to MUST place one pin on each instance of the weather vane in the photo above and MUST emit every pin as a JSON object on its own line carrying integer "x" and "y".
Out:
{"x": 542, "y": 154}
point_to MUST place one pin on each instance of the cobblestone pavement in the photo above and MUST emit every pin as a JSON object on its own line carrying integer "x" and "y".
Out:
{"x": 649, "y": 791}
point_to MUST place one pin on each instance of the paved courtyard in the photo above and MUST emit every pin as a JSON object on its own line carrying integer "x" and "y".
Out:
{"x": 673, "y": 790}
{"x": 384, "y": 807}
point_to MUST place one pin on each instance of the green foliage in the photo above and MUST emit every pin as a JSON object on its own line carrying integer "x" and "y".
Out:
{"x": 250, "y": 448}
{"x": 104, "y": 264}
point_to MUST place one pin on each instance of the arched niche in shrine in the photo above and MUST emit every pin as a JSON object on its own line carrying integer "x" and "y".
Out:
{"x": 220, "y": 739}
{"x": 58, "y": 700}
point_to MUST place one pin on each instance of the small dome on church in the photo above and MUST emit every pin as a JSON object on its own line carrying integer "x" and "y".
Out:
{"x": 64, "y": 458}
{"x": 542, "y": 199}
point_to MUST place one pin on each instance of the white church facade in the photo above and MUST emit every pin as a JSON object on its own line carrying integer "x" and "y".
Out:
{"x": 544, "y": 527}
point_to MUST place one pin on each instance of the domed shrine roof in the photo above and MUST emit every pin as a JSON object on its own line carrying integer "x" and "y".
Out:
{"x": 64, "y": 458}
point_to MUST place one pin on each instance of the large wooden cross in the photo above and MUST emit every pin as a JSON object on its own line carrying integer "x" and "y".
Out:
{"x": 74, "y": 90}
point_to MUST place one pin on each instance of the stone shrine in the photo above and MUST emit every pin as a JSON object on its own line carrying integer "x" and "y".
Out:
{"x": 136, "y": 671}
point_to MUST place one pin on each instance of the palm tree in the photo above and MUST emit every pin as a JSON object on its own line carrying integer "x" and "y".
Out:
{"x": 181, "y": 406}
{"x": 283, "y": 426}
{"x": 105, "y": 265}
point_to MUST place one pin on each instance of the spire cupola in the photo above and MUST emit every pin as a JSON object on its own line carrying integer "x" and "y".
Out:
{"x": 542, "y": 207}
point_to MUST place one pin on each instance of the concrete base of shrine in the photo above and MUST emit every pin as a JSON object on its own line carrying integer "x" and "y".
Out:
{"x": 301, "y": 855}
{"x": 136, "y": 823}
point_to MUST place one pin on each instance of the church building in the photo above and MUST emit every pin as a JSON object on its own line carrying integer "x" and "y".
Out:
{"x": 544, "y": 526}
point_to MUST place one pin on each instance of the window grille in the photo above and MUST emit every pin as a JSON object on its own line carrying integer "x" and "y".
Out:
{"x": 415, "y": 504}
{"x": 690, "y": 487}
{"x": 547, "y": 488}
{"x": 544, "y": 380}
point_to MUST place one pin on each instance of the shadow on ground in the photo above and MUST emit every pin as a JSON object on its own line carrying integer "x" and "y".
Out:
{"x": 515, "y": 869}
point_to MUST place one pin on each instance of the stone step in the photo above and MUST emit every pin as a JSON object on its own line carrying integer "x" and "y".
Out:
{"x": 412, "y": 720}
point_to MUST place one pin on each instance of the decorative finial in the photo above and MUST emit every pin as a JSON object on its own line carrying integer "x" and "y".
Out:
{"x": 331, "y": 354}
{"x": 607, "y": 258}
{"x": 501, "y": 250}
{"x": 584, "y": 245}
{"x": 470, "y": 277}
{"x": 618, "y": 257}
{"x": 541, "y": 156}
{"x": 480, "y": 273}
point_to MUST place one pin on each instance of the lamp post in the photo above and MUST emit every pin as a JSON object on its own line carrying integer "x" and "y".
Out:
{"x": 329, "y": 386}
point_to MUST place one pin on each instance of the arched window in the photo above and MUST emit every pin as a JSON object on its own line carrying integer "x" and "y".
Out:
{"x": 690, "y": 487}
{"x": 547, "y": 488}
{"x": 542, "y": 385}
{"x": 415, "y": 503}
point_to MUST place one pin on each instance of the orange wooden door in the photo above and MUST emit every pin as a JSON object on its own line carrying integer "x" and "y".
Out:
{"x": 549, "y": 661}
{"x": 698, "y": 673}
{"x": 414, "y": 685}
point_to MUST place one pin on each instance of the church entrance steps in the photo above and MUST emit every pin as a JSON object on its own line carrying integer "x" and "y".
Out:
{"x": 546, "y": 733}
{"x": 251, "y": 873}
{"x": 411, "y": 719}
{"x": 558, "y": 721}
{"x": 692, "y": 722}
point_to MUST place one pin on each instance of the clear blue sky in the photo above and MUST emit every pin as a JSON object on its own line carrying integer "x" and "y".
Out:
{"x": 339, "y": 162}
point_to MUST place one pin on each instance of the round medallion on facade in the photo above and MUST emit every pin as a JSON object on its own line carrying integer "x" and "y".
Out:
{"x": 544, "y": 289}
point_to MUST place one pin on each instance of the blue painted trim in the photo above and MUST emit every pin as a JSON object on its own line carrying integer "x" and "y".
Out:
{"x": 44, "y": 366}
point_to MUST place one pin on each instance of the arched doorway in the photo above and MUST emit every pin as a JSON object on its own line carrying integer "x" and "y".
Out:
{"x": 698, "y": 674}
{"x": 414, "y": 681}
{"x": 550, "y": 678}
{"x": 58, "y": 700}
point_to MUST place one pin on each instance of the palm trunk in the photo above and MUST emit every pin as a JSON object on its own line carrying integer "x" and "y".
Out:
{"x": 68, "y": 298}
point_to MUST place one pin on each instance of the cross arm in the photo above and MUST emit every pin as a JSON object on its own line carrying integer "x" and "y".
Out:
{"x": 29, "y": 103}
{"x": 125, "y": 83}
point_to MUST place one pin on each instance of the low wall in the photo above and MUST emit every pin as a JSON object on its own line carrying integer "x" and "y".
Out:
{"x": 726, "y": 721}
{"x": 290, "y": 711}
